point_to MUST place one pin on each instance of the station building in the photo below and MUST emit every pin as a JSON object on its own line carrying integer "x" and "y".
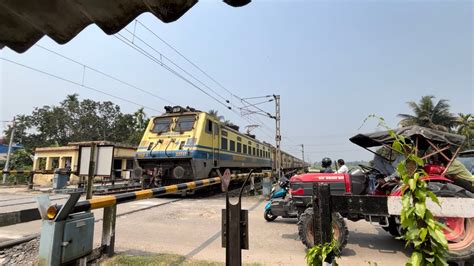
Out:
{"x": 46, "y": 159}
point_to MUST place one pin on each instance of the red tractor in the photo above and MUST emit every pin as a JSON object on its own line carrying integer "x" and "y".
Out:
{"x": 381, "y": 180}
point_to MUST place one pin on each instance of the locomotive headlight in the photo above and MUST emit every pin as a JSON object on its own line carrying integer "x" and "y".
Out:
{"x": 177, "y": 109}
{"x": 178, "y": 172}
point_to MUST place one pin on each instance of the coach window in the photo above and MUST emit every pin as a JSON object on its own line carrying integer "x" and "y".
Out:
{"x": 245, "y": 149}
{"x": 208, "y": 126}
{"x": 239, "y": 147}
{"x": 224, "y": 143}
{"x": 232, "y": 145}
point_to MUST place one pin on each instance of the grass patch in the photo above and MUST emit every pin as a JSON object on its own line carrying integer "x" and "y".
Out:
{"x": 160, "y": 259}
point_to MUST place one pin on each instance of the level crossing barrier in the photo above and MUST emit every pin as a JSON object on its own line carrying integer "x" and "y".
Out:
{"x": 57, "y": 218}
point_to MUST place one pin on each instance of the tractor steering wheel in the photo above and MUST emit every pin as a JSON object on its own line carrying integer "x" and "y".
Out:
{"x": 369, "y": 169}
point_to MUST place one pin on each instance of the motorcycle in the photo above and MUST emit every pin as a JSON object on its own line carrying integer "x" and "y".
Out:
{"x": 280, "y": 203}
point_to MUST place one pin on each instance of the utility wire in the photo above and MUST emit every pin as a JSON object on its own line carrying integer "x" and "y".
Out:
{"x": 165, "y": 66}
{"x": 78, "y": 84}
{"x": 176, "y": 65}
{"x": 105, "y": 74}
{"x": 196, "y": 66}
{"x": 185, "y": 58}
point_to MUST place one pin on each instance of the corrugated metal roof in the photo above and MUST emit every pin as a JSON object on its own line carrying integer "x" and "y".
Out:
{"x": 24, "y": 22}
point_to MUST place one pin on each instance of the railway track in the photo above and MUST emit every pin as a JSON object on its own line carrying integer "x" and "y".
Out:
{"x": 234, "y": 190}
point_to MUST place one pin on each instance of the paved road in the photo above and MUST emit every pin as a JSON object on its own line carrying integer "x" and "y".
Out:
{"x": 191, "y": 227}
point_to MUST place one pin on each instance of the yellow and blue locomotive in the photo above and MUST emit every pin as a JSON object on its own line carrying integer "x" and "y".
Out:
{"x": 186, "y": 144}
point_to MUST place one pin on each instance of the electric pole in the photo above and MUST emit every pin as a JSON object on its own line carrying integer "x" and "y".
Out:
{"x": 302, "y": 152}
{"x": 7, "y": 163}
{"x": 277, "y": 135}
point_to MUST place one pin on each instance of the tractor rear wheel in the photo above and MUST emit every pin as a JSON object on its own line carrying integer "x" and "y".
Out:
{"x": 305, "y": 229}
{"x": 460, "y": 231}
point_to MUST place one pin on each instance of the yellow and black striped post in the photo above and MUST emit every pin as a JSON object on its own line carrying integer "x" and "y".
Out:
{"x": 15, "y": 172}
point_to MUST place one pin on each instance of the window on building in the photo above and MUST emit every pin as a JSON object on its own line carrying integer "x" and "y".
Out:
{"x": 66, "y": 162}
{"x": 129, "y": 165}
{"x": 54, "y": 162}
{"x": 232, "y": 145}
{"x": 239, "y": 147}
{"x": 253, "y": 153}
{"x": 224, "y": 143}
{"x": 245, "y": 149}
{"x": 41, "y": 164}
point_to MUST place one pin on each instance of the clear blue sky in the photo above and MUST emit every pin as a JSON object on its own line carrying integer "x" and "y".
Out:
{"x": 332, "y": 62}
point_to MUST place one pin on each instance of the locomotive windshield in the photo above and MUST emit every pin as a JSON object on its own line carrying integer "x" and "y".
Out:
{"x": 184, "y": 123}
{"x": 161, "y": 125}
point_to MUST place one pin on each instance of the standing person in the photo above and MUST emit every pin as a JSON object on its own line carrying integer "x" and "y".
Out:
{"x": 326, "y": 165}
{"x": 342, "y": 167}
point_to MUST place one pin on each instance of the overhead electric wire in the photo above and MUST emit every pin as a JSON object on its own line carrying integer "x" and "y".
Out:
{"x": 154, "y": 59}
{"x": 165, "y": 66}
{"x": 77, "y": 83}
{"x": 105, "y": 74}
{"x": 185, "y": 58}
{"x": 263, "y": 125}
{"x": 173, "y": 63}
{"x": 196, "y": 66}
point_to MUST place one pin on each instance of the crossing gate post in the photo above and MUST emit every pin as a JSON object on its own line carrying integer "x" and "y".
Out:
{"x": 322, "y": 216}
{"x": 108, "y": 230}
{"x": 235, "y": 229}
{"x": 30, "y": 179}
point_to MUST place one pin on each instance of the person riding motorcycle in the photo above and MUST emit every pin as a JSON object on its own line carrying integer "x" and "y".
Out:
{"x": 326, "y": 165}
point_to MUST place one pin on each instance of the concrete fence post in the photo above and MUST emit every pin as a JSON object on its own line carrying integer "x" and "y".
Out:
{"x": 108, "y": 230}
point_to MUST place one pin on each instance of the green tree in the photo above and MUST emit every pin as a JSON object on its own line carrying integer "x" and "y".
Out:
{"x": 429, "y": 114}
{"x": 21, "y": 159}
{"x": 74, "y": 120}
{"x": 465, "y": 126}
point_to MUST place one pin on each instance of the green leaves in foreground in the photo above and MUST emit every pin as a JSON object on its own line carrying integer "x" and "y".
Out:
{"x": 316, "y": 255}
{"x": 421, "y": 228}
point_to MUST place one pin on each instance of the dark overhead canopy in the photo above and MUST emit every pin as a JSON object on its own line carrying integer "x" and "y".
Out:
{"x": 436, "y": 137}
{"x": 24, "y": 22}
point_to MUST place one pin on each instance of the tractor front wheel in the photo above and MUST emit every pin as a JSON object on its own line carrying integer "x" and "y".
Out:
{"x": 305, "y": 229}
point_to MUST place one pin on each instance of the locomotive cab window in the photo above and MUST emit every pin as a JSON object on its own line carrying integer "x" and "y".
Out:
{"x": 209, "y": 126}
{"x": 184, "y": 123}
{"x": 161, "y": 125}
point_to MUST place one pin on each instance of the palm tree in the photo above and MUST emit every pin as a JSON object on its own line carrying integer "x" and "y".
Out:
{"x": 428, "y": 114}
{"x": 465, "y": 126}
{"x": 215, "y": 113}
{"x": 140, "y": 118}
